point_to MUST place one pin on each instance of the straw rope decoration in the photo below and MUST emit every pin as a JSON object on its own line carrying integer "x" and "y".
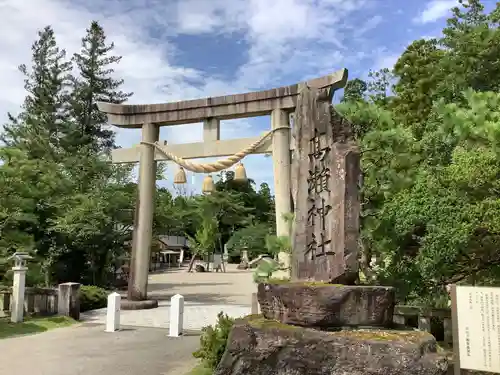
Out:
{"x": 218, "y": 165}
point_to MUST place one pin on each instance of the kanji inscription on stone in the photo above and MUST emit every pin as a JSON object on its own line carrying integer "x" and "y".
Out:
{"x": 327, "y": 206}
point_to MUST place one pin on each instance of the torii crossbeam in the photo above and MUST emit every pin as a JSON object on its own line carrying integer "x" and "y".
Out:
{"x": 278, "y": 103}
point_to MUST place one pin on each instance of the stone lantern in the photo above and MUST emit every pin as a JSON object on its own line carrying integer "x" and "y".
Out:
{"x": 18, "y": 286}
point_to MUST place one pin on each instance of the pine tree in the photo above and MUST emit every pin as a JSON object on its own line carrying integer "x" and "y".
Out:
{"x": 354, "y": 90}
{"x": 37, "y": 128}
{"x": 94, "y": 84}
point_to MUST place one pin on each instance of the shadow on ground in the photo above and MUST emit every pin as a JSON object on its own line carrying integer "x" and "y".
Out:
{"x": 8, "y": 329}
{"x": 152, "y": 287}
{"x": 201, "y": 298}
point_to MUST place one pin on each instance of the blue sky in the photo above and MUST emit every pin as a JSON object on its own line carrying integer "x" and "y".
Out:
{"x": 185, "y": 49}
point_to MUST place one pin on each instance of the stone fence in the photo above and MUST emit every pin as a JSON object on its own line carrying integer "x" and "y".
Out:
{"x": 37, "y": 301}
{"x": 45, "y": 301}
{"x": 433, "y": 320}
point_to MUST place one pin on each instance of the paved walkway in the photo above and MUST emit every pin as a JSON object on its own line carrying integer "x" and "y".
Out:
{"x": 231, "y": 287}
{"x": 88, "y": 350}
{"x": 196, "y": 315}
{"x": 205, "y": 295}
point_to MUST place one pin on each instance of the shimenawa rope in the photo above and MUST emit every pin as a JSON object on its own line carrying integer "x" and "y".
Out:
{"x": 218, "y": 165}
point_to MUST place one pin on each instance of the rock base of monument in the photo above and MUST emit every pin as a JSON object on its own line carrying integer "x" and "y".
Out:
{"x": 327, "y": 306}
{"x": 266, "y": 347}
{"x": 323, "y": 329}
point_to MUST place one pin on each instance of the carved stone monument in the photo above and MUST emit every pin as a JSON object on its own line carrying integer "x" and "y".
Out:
{"x": 327, "y": 206}
{"x": 311, "y": 325}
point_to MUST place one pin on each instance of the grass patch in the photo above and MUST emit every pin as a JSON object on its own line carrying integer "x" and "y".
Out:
{"x": 31, "y": 326}
{"x": 200, "y": 370}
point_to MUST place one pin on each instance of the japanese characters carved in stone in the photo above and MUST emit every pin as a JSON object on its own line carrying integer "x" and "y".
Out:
{"x": 327, "y": 206}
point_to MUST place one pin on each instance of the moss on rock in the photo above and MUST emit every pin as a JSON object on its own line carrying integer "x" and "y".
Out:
{"x": 301, "y": 283}
{"x": 267, "y": 347}
{"x": 260, "y": 322}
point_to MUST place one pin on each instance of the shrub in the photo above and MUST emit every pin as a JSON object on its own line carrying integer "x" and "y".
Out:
{"x": 92, "y": 297}
{"x": 264, "y": 270}
{"x": 213, "y": 341}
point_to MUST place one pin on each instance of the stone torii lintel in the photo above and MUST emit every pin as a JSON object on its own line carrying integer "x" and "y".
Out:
{"x": 258, "y": 103}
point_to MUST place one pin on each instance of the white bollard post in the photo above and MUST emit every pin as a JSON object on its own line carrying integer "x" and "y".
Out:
{"x": 255, "y": 304}
{"x": 113, "y": 313}
{"x": 18, "y": 287}
{"x": 176, "y": 315}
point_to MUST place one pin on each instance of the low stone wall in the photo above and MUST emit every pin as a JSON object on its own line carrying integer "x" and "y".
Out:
{"x": 422, "y": 317}
{"x": 45, "y": 301}
{"x": 37, "y": 301}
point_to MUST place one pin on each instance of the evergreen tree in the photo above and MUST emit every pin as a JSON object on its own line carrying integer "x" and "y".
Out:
{"x": 37, "y": 129}
{"x": 354, "y": 90}
{"x": 95, "y": 83}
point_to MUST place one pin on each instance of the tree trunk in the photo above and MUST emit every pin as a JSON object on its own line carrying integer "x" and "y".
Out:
{"x": 191, "y": 263}
{"x": 366, "y": 257}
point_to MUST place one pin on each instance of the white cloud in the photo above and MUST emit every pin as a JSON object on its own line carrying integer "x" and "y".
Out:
{"x": 369, "y": 25}
{"x": 386, "y": 60}
{"x": 288, "y": 40}
{"x": 435, "y": 10}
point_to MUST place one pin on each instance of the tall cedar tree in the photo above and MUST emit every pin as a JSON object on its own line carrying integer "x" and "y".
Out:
{"x": 95, "y": 83}
{"x": 32, "y": 159}
{"x": 37, "y": 129}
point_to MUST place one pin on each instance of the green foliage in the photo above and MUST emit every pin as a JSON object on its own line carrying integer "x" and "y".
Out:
{"x": 94, "y": 83}
{"x": 278, "y": 244}
{"x": 251, "y": 238}
{"x": 92, "y": 297}
{"x": 354, "y": 90}
{"x": 264, "y": 270}
{"x": 428, "y": 131}
{"x": 60, "y": 198}
{"x": 213, "y": 341}
{"x": 430, "y": 161}
{"x": 205, "y": 239}
{"x": 30, "y": 326}
{"x": 281, "y": 244}
{"x": 35, "y": 130}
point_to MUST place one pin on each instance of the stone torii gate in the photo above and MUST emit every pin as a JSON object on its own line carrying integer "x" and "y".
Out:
{"x": 278, "y": 103}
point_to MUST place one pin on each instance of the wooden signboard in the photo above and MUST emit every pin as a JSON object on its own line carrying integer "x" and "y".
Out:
{"x": 476, "y": 328}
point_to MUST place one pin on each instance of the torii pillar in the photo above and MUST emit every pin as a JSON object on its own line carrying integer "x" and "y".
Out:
{"x": 143, "y": 221}
{"x": 282, "y": 175}
{"x": 278, "y": 103}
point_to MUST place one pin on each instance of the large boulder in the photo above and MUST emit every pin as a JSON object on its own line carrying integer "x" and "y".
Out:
{"x": 265, "y": 347}
{"x": 326, "y": 306}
